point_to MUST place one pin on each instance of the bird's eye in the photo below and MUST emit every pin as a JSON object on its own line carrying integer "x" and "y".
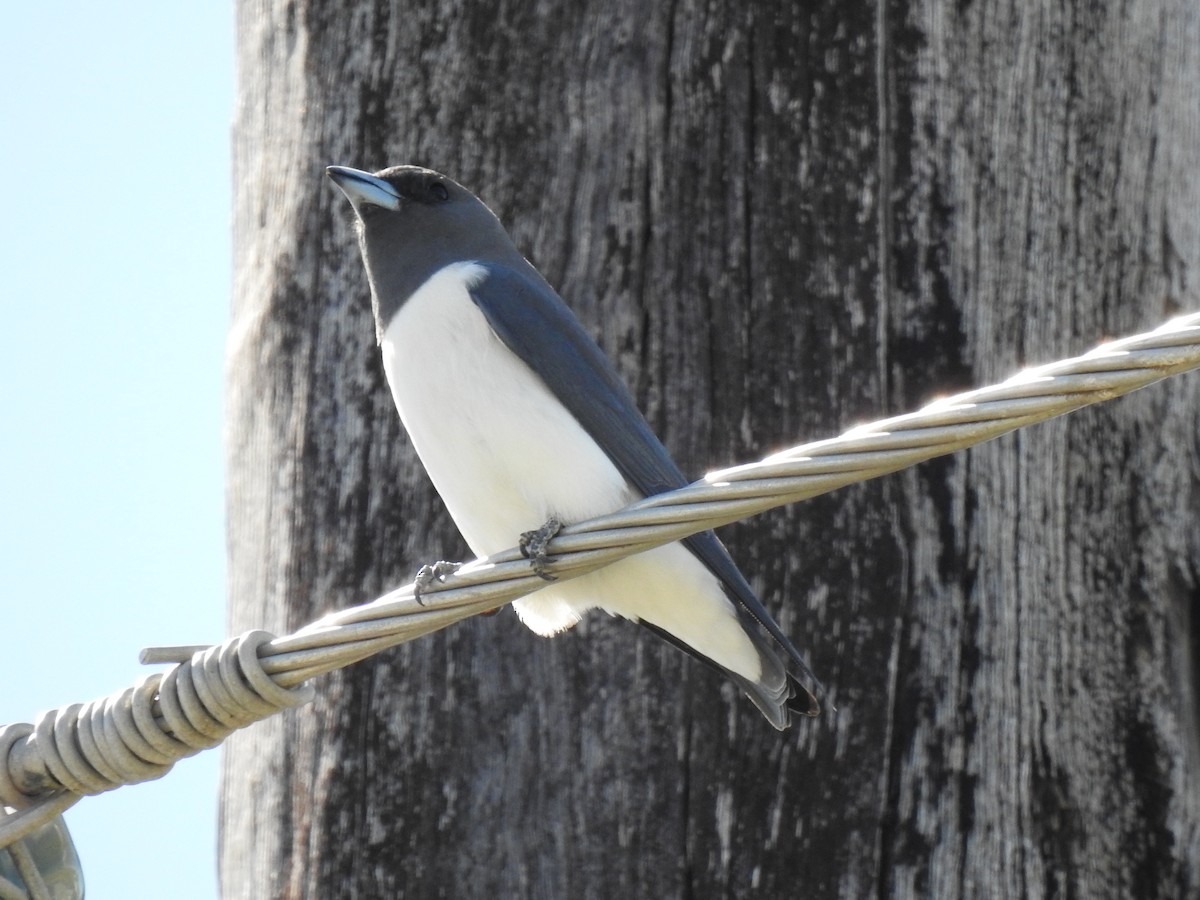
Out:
{"x": 439, "y": 192}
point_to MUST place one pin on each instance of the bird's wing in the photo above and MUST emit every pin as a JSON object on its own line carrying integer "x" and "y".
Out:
{"x": 531, "y": 320}
{"x": 534, "y": 323}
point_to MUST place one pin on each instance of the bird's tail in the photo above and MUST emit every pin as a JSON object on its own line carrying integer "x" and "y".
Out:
{"x": 776, "y": 693}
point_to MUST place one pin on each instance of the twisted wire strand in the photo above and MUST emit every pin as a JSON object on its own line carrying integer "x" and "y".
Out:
{"x": 35, "y": 887}
{"x": 138, "y": 734}
{"x": 134, "y": 735}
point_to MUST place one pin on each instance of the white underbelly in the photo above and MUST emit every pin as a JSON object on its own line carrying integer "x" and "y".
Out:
{"x": 505, "y": 455}
{"x": 502, "y": 451}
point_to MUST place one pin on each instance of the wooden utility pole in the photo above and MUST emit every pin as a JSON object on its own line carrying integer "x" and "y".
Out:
{"x": 780, "y": 219}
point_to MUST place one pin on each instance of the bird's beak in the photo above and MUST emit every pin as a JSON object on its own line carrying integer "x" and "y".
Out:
{"x": 363, "y": 188}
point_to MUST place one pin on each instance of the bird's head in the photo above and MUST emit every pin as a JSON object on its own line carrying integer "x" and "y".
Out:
{"x": 411, "y": 223}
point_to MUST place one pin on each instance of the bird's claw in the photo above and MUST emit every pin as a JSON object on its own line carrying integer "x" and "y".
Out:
{"x": 533, "y": 546}
{"x": 433, "y": 573}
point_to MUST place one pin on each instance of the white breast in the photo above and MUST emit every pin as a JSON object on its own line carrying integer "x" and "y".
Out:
{"x": 501, "y": 450}
{"x": 505, "y": 455}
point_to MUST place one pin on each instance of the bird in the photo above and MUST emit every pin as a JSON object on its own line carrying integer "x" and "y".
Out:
{"x": 522, "y": 423}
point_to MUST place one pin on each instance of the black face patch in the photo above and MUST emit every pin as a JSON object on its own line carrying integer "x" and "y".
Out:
{"x": 418, "y": 185}
{"x": 436, "y": 223}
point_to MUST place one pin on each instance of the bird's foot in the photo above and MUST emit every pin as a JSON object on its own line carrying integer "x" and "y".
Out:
{"x": 434, "y": 573}
{"x": 533, "y": 546}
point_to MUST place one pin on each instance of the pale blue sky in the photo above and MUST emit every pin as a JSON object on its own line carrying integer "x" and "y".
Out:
{"x": 114, "y": 254}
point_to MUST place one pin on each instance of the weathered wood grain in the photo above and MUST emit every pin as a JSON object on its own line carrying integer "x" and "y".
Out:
{"x": 780, "y": 219}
